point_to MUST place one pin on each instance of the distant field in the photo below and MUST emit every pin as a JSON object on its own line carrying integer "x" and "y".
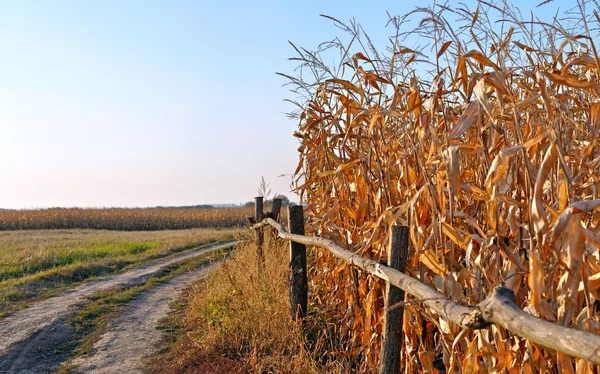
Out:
{"x": 137, "y": 219}
{"x": 35, "y": 263}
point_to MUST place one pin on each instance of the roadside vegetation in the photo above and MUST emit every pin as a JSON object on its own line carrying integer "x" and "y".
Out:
{"x": 36, "y": 263}
{"x": 239, "y": 322}
{"x": 128, "y": 219}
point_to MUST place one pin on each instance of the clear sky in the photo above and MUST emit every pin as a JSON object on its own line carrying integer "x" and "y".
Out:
{"x": 145, "y": 103}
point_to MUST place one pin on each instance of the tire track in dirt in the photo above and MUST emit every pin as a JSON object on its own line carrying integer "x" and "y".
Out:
{"x": 31, "y": 338}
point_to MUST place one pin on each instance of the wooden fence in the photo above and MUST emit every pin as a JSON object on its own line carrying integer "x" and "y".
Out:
{"x": 498, "y": 308}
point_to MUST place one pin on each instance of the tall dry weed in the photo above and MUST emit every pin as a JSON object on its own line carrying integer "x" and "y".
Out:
{"x": 245, "y": 316}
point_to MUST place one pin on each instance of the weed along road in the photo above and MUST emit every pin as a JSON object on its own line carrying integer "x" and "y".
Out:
{"x": 40, "y": 338}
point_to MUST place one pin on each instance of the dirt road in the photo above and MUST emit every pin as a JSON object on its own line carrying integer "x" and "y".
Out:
{"x": 131, "y": 339}
{"x": 32, "y": 337}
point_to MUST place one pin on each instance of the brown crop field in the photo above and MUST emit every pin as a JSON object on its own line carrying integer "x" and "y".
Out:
{"x": 136, "y": 219}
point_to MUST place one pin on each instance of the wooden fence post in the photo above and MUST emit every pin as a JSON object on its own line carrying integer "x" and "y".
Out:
{"x": 260, "y": 236}
{"x": 391, "y": 343}
{"x": 276, "y": 208}
{"x": 298, "y": 283}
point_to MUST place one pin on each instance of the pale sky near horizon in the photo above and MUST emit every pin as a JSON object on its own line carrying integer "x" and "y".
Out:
{"x": 145, "y": 103}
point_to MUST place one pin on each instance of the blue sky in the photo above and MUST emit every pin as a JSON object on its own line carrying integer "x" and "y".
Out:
{"x": 144, "y": 103}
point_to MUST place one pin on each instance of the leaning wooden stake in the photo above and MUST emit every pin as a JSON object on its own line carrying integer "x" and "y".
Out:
{"x": 276, "y": 208}
{"x": 391, "y": 343}
{"x": 298, "y": 285}
{"x": 260, "y": 236}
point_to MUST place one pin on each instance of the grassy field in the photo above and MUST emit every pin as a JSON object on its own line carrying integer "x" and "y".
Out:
{"x": 37, "y": 263}
{"x": 135, "y": 219}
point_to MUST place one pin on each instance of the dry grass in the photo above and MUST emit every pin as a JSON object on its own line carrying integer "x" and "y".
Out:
{"x": 37, "y": 263}
{"x": 134, "y": 219}
{"x": 236, "y": 321}
{"x": 487, "y": 147}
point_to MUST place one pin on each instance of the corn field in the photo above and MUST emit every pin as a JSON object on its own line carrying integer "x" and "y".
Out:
{"x": 486, "y": 145}
{"x": 135, "y": 219}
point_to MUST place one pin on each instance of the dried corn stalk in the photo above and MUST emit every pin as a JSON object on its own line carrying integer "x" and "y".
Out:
{"x": 492, "y": 160}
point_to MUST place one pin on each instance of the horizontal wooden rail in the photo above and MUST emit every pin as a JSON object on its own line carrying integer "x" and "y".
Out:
{"x": 498, "y": 308}
{"x": 469, "y": 317}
